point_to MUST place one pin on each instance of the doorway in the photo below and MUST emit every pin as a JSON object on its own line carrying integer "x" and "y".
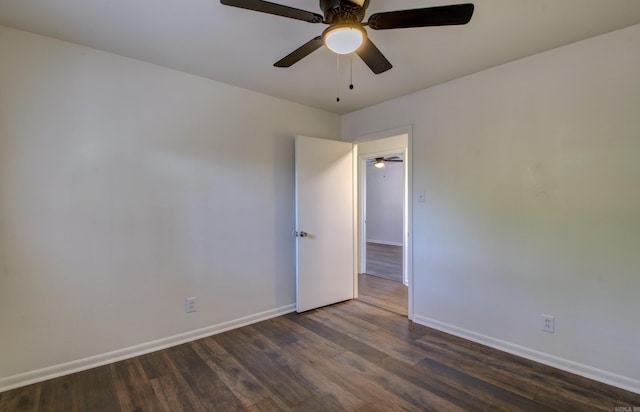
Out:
{"x": 384, "y": 265}
{"x": 384, "y": 216}
{"x": 310, "y": 276}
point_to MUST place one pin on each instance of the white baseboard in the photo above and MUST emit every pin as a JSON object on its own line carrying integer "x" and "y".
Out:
{"x": 590, "y": 372}
{"x": 67, "y": 368}
{"x": 385, "y": 242}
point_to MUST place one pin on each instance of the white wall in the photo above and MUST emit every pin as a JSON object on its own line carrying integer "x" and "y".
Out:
{"x": 385, "y": 203}
{"x": 126, "y": 188}
{"x": 531, "y": 174}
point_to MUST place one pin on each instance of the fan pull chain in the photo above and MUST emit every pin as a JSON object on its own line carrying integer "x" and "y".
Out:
{"x": 337, "y": 77}
{"x": 351, "y": 71}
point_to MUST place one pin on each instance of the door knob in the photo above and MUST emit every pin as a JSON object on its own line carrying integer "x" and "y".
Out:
{"x": 301, "y": 234}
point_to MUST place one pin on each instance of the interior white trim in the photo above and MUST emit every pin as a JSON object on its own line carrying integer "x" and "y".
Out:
{"x": 360, "y": 207}
{"x": 567, "y": 365}
{"x": 67, "y": 368}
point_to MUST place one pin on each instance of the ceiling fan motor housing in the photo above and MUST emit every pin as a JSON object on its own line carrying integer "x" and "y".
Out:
{"x": 343, "y": 11}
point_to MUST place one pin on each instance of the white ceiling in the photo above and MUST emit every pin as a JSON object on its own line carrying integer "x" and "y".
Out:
{"x": 239, "y": 47}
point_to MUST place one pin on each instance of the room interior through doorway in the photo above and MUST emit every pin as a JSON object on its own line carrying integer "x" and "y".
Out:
{"x": 389, "y": 294}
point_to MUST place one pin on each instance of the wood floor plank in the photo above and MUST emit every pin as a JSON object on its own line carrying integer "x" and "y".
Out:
{"x": 154, "y": 364}
{"x": 266, "y": 405}
{"x": 309, "y": 349}
{"x": 391, "y": 322}
{"x": 571, "y": 400}
{"x": 390, "y": 295}
{"x": 523, "y": 375}
{"x": 26, "y": 398}
{"x": 625, "y": 398}
{"x": 352, "y": 380}
{"x": 372, "y": 407}
{"x": 370, "y": 355}
{"x": 342, "y": 339}
{"x": 423, "y": 399}
{"x": 386, "y": 342}
{"x": 497, "y": 376}
{"x": 481, "y": 366}
{"x": 172, "y": 394}
{"x": 61, "y": 394}
{"x": 269, "y": 328}
{"x": 247, "y": 388}
{"x": 280, "y": 381}
{"x": 324, "y": 403}
{"x": 384, "y": 260}
{"x": 346, "y": 357}
{"x": 133, "y": 389}
{"x": 435, "y": 385}
{"x": 200, "y": 380}
{"x": 95, "y": 390}
{"x": 322, "y": 387}
{"x": 467, "y": 400}
{"x": 306, "y": 338}
{"x": 483, "y": 390}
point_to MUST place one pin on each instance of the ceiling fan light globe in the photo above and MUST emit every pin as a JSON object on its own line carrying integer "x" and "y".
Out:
{"x": 379, "y": 163}
{"x": 344, "y": 39}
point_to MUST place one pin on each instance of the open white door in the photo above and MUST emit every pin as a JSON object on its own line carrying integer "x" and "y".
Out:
{"x": 324, "y": 222}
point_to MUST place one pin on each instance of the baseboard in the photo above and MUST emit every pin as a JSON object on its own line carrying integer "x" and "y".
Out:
{"x": 590, "y": 372}
{"x": 67, "y": 368}
{"x": 385, "y": 242}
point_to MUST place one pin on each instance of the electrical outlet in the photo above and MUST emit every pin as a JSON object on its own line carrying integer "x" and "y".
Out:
{"x": 190, "y": 305}
{"x": 548, "y": 323}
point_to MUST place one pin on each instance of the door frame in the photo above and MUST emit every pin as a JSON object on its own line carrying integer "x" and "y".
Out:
{"x": 384, "y": 145}
{"x": 362, "y": 191}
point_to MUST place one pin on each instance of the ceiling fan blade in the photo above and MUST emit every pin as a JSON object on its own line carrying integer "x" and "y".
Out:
{"x": 276, "y": 9}
{"x": 373, "y": 57}
{"x": 430, "y": 16}
{"x": 300, "y": 53}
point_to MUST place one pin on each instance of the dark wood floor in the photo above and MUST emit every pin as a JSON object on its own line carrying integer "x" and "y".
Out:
{"x": 384, "y": 261}
{"x": 384, "y": 293}
{"x": 346, "y": 357}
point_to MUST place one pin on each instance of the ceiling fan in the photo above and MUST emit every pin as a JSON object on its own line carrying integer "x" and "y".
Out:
{"x": 346, "y": 32}
{"x": 380, "y": 162}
